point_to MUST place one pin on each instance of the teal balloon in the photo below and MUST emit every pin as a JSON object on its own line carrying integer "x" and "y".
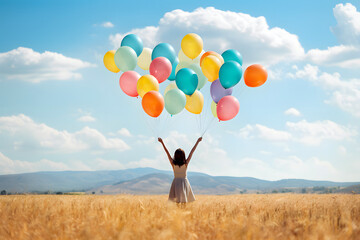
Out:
{"x": 232, "y": 55}
{"x": 187, "y": 80}
{"x": 133, "y": 41}
{"x": 230, "y": 74}
{"x": 174, "y": 65}
{"x": 164, "y": 50}
{"x": 201, "y": 77}
{"x": 125, "y": 58}
{"x": 175, "y": 101}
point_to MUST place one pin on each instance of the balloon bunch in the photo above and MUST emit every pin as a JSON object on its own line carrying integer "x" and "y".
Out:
{"x": 188, "y": 73}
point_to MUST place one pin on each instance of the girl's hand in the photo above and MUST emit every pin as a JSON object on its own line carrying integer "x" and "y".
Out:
{"x": 200, "y": 139}
{"x": 160, "y": 140}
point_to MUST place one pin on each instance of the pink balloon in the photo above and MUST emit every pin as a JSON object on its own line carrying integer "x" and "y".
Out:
{"x": 128, "y": 82}
{"x": 160, "y": 68}
{"x": 227, "y": 108}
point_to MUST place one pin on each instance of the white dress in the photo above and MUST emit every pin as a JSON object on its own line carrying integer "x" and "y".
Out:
{"x": 180, "y": 190}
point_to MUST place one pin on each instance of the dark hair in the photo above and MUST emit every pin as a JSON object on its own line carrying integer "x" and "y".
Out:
{"x": 179, "y": 157}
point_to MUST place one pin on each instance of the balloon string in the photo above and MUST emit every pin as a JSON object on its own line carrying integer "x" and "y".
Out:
{"x": 207, "y": 106}
{"x": 148, "y": 124}
{"x": 157, "y": 126}
{"x": 141, "y": 113}
{"x": 162, "y": 123}
{"x": 243, "y": 88}
{"x": 165, "y": 124}
{"x": 197, "y": 122}
{"x": 208, "y": 126}
{"x": 198, "y": 118}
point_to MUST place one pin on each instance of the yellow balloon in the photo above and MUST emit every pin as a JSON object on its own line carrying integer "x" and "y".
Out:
{"x": 169, "y": 87}
{"x": 147, "y": 83}
{"x": 213, "y": 109}
{"x": 109, "y": 61}
{"x": 195, "y": 102}
{"x": 144, "y": 59}
{"x": 210, "y": 67}
{"x": 192, "y": 45}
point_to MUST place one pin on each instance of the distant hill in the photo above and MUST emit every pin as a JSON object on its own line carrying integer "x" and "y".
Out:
{"x": 145, "y": 181}
{"x": 350, "y": 189}
{"x": 159, "y": 183}
{"x": 68, "y": 180}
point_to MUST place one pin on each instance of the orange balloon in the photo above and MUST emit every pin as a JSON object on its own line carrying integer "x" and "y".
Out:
{"x": 211, "y": 53}
{"x": 255, "y": 75}
{"x": 153, "y": 103}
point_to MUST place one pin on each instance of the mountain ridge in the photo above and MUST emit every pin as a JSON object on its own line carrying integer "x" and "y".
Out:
{"x": 147, "y": 182}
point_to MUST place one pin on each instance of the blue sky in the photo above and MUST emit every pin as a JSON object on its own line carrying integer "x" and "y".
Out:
{"x": 60, "y": 109}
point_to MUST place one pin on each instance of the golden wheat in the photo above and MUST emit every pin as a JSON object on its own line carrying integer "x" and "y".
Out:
{"x": 280, "y": 216}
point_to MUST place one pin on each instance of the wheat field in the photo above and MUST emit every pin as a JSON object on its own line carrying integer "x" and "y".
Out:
{"x": 276, "y": 216}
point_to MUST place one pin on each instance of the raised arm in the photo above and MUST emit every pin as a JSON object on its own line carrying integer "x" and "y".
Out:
{"x": 193, "y": 150}
{"x": 167, "y": 152}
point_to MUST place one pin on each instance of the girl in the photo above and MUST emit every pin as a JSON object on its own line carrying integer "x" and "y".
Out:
{"x": 180, "y": 190}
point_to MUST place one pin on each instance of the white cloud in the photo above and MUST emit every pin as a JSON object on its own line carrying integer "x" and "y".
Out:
{"x": 309, "y": 133}
{"x": 211, "y": 158}
{"x": 221, "y": 30}
{"x": 148, "y": 35}
{"x": 345, "y": 56}
{"x": 344, "y": 94}
{"x": 25, "y": 133}
{"x": 27, "y": 65}
{"x": 106, "y": 164}
{"x": 263, "y": 132}
{"x": 313, "y": 133}
{"x": 273, "y": 168}
{"x": 124, "y": 132}
{"x": 9, "y": 166}
{"x": 107, "y": 25}
{"x": 86, "y": 118}
{"x": 206, "y": 158}
{"x": 313, "y": 168}
{"x": 342, "y": 150}
{"x": 293, "y": 112}
{"x": 347, "y": 31}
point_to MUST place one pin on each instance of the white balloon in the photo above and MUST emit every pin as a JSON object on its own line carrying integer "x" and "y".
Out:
{"x": 144, "y": 59}
{"x": 169, "y": 87}
{"x": 183, "y": 58}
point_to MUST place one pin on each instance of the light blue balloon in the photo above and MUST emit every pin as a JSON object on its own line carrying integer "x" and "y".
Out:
{"x": 174, "y": 65}
{"x": 175, "y": 101}
{"x": 232, "y": 55}
{"x": 133, "y": 41}
{"x": 125, "y": 58}
{"x": 187, "y": 80}
{"x": 230, "y": 74}
{"x": 164, "y": 50}
{"x": 201, "y": 77}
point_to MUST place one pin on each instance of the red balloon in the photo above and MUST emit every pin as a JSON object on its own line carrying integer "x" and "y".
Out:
{"x": 160, "y": 68}
{"x": 227, "y": 108}
{"x": 128, "y": 83}
{"x": 153, "y": 103}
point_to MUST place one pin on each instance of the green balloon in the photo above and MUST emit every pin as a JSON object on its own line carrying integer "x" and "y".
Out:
{"x": 201, "y": 77}
{"x": 125, "y": 58}
{"x": 175, "y": 101}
